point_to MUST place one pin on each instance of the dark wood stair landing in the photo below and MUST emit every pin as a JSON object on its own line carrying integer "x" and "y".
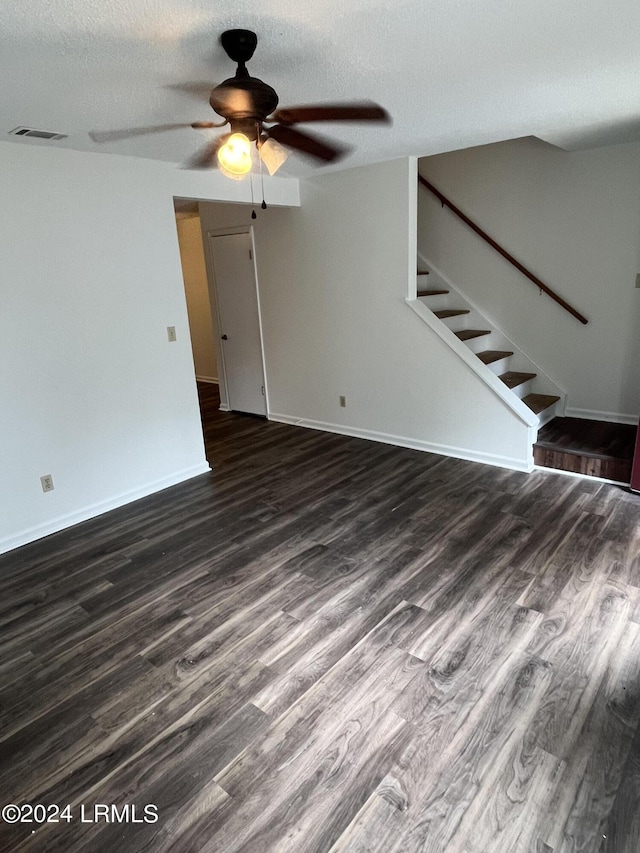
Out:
{"x": 597, "y": 448}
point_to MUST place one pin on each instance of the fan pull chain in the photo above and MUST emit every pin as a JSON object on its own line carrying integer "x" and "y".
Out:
{"x": 264, "y": 203}
{"x": 253, "y": 212}
{"x": 259, "y": 145}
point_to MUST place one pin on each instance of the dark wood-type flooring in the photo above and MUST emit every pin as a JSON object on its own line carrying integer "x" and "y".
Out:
{"x": 330, "y": 645}
{"x": 597, "y": 448}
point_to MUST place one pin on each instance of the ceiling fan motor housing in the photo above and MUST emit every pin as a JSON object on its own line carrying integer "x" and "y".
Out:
{"x": 262, "y": 99}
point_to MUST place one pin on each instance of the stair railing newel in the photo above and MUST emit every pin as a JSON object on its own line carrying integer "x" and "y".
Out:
{"x": 498, "y": 248}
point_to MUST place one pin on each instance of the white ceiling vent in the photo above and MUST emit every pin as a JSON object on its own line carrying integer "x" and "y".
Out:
{"x": 39, "y": 134}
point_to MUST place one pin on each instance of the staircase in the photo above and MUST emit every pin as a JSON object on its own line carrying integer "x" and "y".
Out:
{"x": 494, "y": 351}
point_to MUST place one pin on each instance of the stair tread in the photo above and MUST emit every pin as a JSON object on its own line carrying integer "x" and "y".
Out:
{"x": 432, "y": 292}
{"x": 468, "y": 334}
{"x": 539, "y": 402}
{"x": 450, "y": 312}
{"x": 512, "y": 378}
{"x": 491, "y": 355}
{"x": 569, "y": 451}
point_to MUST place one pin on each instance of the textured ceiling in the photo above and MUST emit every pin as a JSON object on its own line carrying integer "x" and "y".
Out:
{"x": 452, "y": 73}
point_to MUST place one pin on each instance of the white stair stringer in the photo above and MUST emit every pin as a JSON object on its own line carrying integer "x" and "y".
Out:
{"x": 473, "y": 318}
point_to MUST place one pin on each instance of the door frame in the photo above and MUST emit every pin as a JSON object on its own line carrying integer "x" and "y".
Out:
{"x": 215, "y": 313}
{"x": 635, "y": 470}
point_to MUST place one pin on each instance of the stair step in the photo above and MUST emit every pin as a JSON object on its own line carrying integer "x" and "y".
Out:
{"x": 512, "y": 378}
{"x": 491, "y": 355}
{"x": 597, "y": 448}
{"x": 450, "y": 312}
{"x": 539, "y": 402}
{"x": 432, "y": 292}
{"x": 468, "y": 334}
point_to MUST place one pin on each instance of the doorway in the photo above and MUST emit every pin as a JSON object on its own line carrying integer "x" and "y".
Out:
{"x": 235, "y": 303}
{"x": 196, "y": 246}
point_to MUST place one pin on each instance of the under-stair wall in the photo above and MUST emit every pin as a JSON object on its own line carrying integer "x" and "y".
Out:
{"x": 495, "y": 353}
{"x": 334, "y": 278}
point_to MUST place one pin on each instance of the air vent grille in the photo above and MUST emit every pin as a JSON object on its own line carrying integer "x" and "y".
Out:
{"x": 38, "y": 134}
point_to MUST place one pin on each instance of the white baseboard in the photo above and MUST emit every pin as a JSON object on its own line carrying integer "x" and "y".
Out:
{"x": 593, "y": 415}
{"x": 577, "y": 475}
{"x": 411, "y": 443}
{"x": 213, "y": 380}
{"x": 55, "y": 525}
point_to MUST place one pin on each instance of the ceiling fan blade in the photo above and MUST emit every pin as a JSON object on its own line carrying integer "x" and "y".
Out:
{"x": 363, "y": 111}
{"x": 116, "y": 135}
{"x": 196, "y": 88}
{"x": 307, "y": 144}
{"x": 206, "y": 158}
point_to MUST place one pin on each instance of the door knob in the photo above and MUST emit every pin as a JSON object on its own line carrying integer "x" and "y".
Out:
{"x": 224, "y": 338}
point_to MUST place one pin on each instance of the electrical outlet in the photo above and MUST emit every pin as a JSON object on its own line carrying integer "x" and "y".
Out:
{"x": 171, "y": 333}
{"x": 47, "y": 483}
{"x": 343, "y": 402}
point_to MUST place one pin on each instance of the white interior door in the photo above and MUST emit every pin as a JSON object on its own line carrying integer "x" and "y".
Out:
{"x": 237, "y": 301}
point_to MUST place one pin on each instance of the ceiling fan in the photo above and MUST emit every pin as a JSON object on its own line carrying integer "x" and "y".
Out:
{"x": 249, "y": 107}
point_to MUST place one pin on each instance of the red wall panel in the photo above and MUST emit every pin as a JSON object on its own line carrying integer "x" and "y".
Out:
{"x": 635, "y": 474}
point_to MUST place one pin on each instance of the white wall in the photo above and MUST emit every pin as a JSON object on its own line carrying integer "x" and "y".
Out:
{"x": 92, "y": 391}
{"x": 333, "y": 278}
{"x": 574, "y": 219}
{"x": 196, "y": 288}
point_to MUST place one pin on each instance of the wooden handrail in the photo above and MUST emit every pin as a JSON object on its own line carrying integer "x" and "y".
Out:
{"x": 503, "y": 252}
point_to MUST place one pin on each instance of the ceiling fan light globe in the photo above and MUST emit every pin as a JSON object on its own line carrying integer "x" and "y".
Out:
{"x": 234, "y": 157}
{"x": 273, "y": 155}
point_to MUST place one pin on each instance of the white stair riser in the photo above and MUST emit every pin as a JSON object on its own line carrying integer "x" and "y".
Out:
{"x": 435, "y": 303}
{"x": 548, "y": 414}
{"x": 501, "y": 366}
{"x": 482, "y": 342}
{"x": 456, "y": 324}
{"x": 525, "y": 388}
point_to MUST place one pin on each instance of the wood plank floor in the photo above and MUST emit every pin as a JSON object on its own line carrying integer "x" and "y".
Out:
{"x": 329, "y": 645}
